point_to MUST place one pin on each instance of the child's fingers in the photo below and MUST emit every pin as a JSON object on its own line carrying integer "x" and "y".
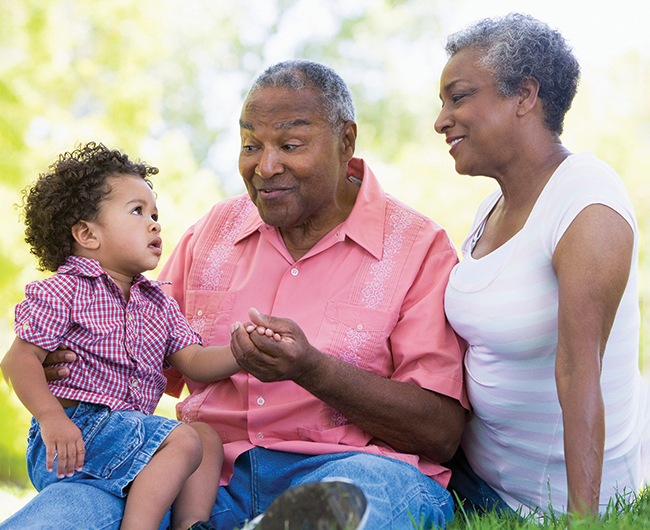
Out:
{"x": 81, "y": 453}
{"x": 61, "y": 459}
{"x": 50, "y": 453}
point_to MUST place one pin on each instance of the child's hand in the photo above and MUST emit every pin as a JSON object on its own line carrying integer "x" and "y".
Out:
{"x": 261, "y": 329}
{"x": 62, "y": 439}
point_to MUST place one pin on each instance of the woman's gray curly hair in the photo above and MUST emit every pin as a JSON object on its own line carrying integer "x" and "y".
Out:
{"x": 298, "y": 74}
{"x": 518, "y": 46}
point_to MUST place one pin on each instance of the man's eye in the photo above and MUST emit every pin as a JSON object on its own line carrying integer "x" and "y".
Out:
{"x": 248, "y": 148}
{"x": 289, "y": 147}
{"x": 457, "y": 97}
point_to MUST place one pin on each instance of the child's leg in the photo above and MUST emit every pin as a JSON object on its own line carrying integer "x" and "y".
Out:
{"x": 156, "y": 487}
{"x": 196, "y": 500}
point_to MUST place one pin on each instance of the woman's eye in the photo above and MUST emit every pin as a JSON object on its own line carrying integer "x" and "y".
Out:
{"x": 289, "y": 147}
{"x": 457, "y": 97}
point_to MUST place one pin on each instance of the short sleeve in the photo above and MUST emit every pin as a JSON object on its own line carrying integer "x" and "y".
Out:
{"x": 43, "y": 318}
{"x": 581, "y": 181}
{"x": 180, "y": 333}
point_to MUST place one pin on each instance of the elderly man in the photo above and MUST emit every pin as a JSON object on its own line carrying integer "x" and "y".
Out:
{"x": 364, "y": 382}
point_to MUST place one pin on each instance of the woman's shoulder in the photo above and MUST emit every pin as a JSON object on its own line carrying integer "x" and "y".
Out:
{"x": 585, "y": 170}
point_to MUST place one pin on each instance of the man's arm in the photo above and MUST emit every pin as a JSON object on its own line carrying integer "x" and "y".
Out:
{"x": 405, "y": 416}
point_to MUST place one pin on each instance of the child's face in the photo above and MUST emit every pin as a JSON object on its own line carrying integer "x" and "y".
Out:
{"x": 127, "y": 228}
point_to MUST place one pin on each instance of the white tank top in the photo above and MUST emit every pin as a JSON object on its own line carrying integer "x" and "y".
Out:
{"x": 505, "y": 305}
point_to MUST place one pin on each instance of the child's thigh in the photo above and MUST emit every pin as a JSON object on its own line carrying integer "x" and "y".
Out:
{"x": 118, "y": 445}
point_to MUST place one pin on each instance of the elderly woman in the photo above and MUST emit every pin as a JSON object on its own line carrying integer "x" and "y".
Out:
{"x": 546, "y": 295}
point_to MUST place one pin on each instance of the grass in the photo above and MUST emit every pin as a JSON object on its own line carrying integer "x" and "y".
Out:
{"x": 626, "y": 512}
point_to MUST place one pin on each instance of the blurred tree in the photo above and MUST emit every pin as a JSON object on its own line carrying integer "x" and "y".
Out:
{"x": 164, "y": 80}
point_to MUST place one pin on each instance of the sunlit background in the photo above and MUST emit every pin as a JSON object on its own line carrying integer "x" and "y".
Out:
{"x": 164, "y": 80}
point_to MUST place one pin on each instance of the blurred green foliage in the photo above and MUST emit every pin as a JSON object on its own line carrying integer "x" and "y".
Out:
{"x": 164, "y": 80}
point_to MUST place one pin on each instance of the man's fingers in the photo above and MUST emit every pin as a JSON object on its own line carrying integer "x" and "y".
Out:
{"x": 59, "y": 356}
{"x": 267, "y": 321}
{"x": 54, "y": 373}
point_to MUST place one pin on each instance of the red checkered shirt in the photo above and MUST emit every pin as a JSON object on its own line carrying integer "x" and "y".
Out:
{"x": 121, "y": 346}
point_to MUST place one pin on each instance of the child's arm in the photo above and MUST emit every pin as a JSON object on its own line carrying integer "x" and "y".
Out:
{"x": 213, "y": 363}
{"x": 22, "y": 367}
{"x": 204, "y": 365}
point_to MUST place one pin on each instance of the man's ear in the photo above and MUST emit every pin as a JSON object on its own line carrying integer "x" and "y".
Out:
{"x": 84, "y": 236}
{"x": 527, "y": 96}
{"x": 348, "y": 140}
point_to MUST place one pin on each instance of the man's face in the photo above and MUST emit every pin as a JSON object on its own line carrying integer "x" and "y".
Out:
{"x": 291, "y": 160}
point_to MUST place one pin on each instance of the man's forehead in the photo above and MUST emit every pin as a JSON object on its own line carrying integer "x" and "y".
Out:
{"x": 280, "y": 125}
{"x": 282, "y": 108}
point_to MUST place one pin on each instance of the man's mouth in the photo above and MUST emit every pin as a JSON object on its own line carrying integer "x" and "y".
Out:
{"x": 272, "y": 193}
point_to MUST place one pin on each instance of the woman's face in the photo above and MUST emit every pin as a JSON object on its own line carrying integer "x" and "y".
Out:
{"x": 479, "y": 123}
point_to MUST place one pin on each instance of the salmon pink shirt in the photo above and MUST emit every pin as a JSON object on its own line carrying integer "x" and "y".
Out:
{"x": 370, "y": 293}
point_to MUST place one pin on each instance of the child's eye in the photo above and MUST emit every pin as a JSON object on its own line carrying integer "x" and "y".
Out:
{"x": 155, "y": 217}
{"x": 137, "y": 211}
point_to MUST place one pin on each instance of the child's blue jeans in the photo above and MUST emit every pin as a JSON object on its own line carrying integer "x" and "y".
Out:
{"x": 118, "y": 445}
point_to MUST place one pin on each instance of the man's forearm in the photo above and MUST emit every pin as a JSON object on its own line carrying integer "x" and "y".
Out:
{"x": 408, "y": 418}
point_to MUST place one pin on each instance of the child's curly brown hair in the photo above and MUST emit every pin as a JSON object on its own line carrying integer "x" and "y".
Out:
{"x": 72, "y": 191}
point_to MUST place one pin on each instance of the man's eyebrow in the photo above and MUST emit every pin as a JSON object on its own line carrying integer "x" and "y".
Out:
{"x": 299, "y": 122}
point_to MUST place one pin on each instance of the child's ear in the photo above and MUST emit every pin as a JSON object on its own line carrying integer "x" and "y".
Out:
{"x": 84, "y": 236}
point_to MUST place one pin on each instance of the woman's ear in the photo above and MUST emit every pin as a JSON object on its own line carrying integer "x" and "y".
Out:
{"x": 527, "y": 97}
{"x": 84, "y": 236}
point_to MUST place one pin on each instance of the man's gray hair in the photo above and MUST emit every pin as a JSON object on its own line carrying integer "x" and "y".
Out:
{"x": 518, "y": 46}
{"x": 299, "y": 74}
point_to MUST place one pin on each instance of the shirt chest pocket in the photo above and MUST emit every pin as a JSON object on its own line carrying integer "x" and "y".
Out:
{"x": 210, "y": 315}
{"x": 358, "y": 335}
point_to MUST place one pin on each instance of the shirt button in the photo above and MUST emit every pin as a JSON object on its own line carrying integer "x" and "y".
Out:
{"x": 260, "y": 401}
{"x": 26, "y": 326}
{"x": 294, "y": 272}
{"x": 199, "y": 312}
{"x": 259, "y": 436}
{"x": 128, "y": 317}
{"x": 359, "y": 327}
{"x": 135, "y": 383}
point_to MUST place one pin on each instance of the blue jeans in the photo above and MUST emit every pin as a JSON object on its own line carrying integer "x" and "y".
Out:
{"x": 395, "y": 491}
{"x": 118, "y": 446}
{"x": 474, "y": 494}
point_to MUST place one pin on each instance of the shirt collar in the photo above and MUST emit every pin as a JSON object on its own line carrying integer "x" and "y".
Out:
{"x": 90, "y": 268}
{"x": 364, "y": 225}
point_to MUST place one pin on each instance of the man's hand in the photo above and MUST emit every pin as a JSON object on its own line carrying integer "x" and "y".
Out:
{"x": 62, "y": 439}
{"x": 62, "y": 355}
{"x": 272, "y": 349}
